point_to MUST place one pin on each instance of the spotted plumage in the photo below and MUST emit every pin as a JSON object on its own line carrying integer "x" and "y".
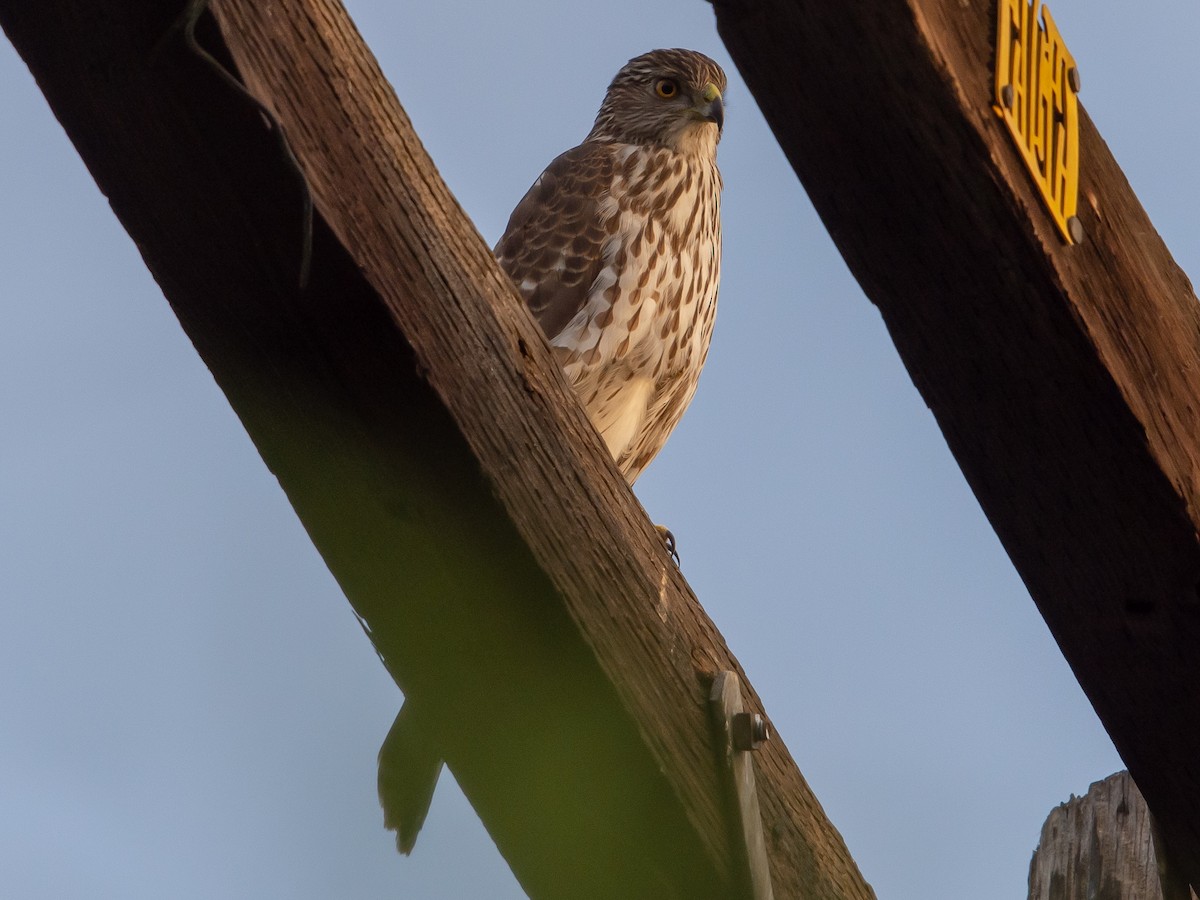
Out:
{"x": 617, "y": 250}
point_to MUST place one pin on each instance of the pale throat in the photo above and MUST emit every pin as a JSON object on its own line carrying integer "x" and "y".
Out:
{"x": 695, "y": 138}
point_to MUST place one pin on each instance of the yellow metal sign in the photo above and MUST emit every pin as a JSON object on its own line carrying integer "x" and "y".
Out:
{"x": 1036, "y": 84}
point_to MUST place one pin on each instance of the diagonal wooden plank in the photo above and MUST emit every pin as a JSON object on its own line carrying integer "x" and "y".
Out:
{"x": 409, "y": 407}
{"x": 1064, "y": 378}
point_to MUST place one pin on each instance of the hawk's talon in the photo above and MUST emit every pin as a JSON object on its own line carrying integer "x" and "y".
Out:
{"x": 669, "y": 539}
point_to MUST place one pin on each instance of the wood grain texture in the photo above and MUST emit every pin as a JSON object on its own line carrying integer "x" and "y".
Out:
{"x": 410, "y": 409}
{"x": 1065, "y": 379}
{"x": 1100, "y": 847}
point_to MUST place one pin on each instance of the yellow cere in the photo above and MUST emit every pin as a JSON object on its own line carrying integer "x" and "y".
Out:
{"x": 1036, "y": 87}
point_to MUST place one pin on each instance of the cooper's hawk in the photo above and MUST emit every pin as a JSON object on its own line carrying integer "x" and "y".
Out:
{"x": 617, "y": 250}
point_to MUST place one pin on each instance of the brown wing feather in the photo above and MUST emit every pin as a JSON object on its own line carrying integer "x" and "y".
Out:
{"x": 553, "y": 246}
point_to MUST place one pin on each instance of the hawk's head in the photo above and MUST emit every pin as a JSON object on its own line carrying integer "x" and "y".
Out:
{"x": 670, "y": 98}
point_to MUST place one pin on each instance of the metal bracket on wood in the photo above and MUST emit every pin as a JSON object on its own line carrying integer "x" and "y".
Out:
{"x": 739, "y": 734}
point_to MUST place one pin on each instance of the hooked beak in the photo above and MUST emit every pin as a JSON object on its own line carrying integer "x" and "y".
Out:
{"x": 710, "y": 106}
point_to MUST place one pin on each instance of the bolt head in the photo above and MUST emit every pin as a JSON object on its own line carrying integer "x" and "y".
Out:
{"x": 749, "y": 731}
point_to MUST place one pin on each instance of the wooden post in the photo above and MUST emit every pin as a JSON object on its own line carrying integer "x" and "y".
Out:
{"x": 1064, "y": 377}
{"x": 1102, "y": 845}
{"x": 411, "y": 410}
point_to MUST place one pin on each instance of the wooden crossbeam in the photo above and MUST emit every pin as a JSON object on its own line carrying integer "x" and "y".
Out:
{"x": 1066, "y": 379}
{"x": 410, "y": 409}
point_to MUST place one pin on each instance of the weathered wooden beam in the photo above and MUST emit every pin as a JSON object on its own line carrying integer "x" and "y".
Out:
{"x": 1064, "y": 378}
{"x": 409, "y": 407}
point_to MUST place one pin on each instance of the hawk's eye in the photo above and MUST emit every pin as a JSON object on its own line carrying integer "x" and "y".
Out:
{"x": 666, "y": 88}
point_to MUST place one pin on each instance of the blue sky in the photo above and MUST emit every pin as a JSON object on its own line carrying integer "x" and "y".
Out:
{"x": 188, "y": 707}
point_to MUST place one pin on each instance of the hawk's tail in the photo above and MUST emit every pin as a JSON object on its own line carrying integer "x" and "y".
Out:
{"x": 409, "y": 766}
